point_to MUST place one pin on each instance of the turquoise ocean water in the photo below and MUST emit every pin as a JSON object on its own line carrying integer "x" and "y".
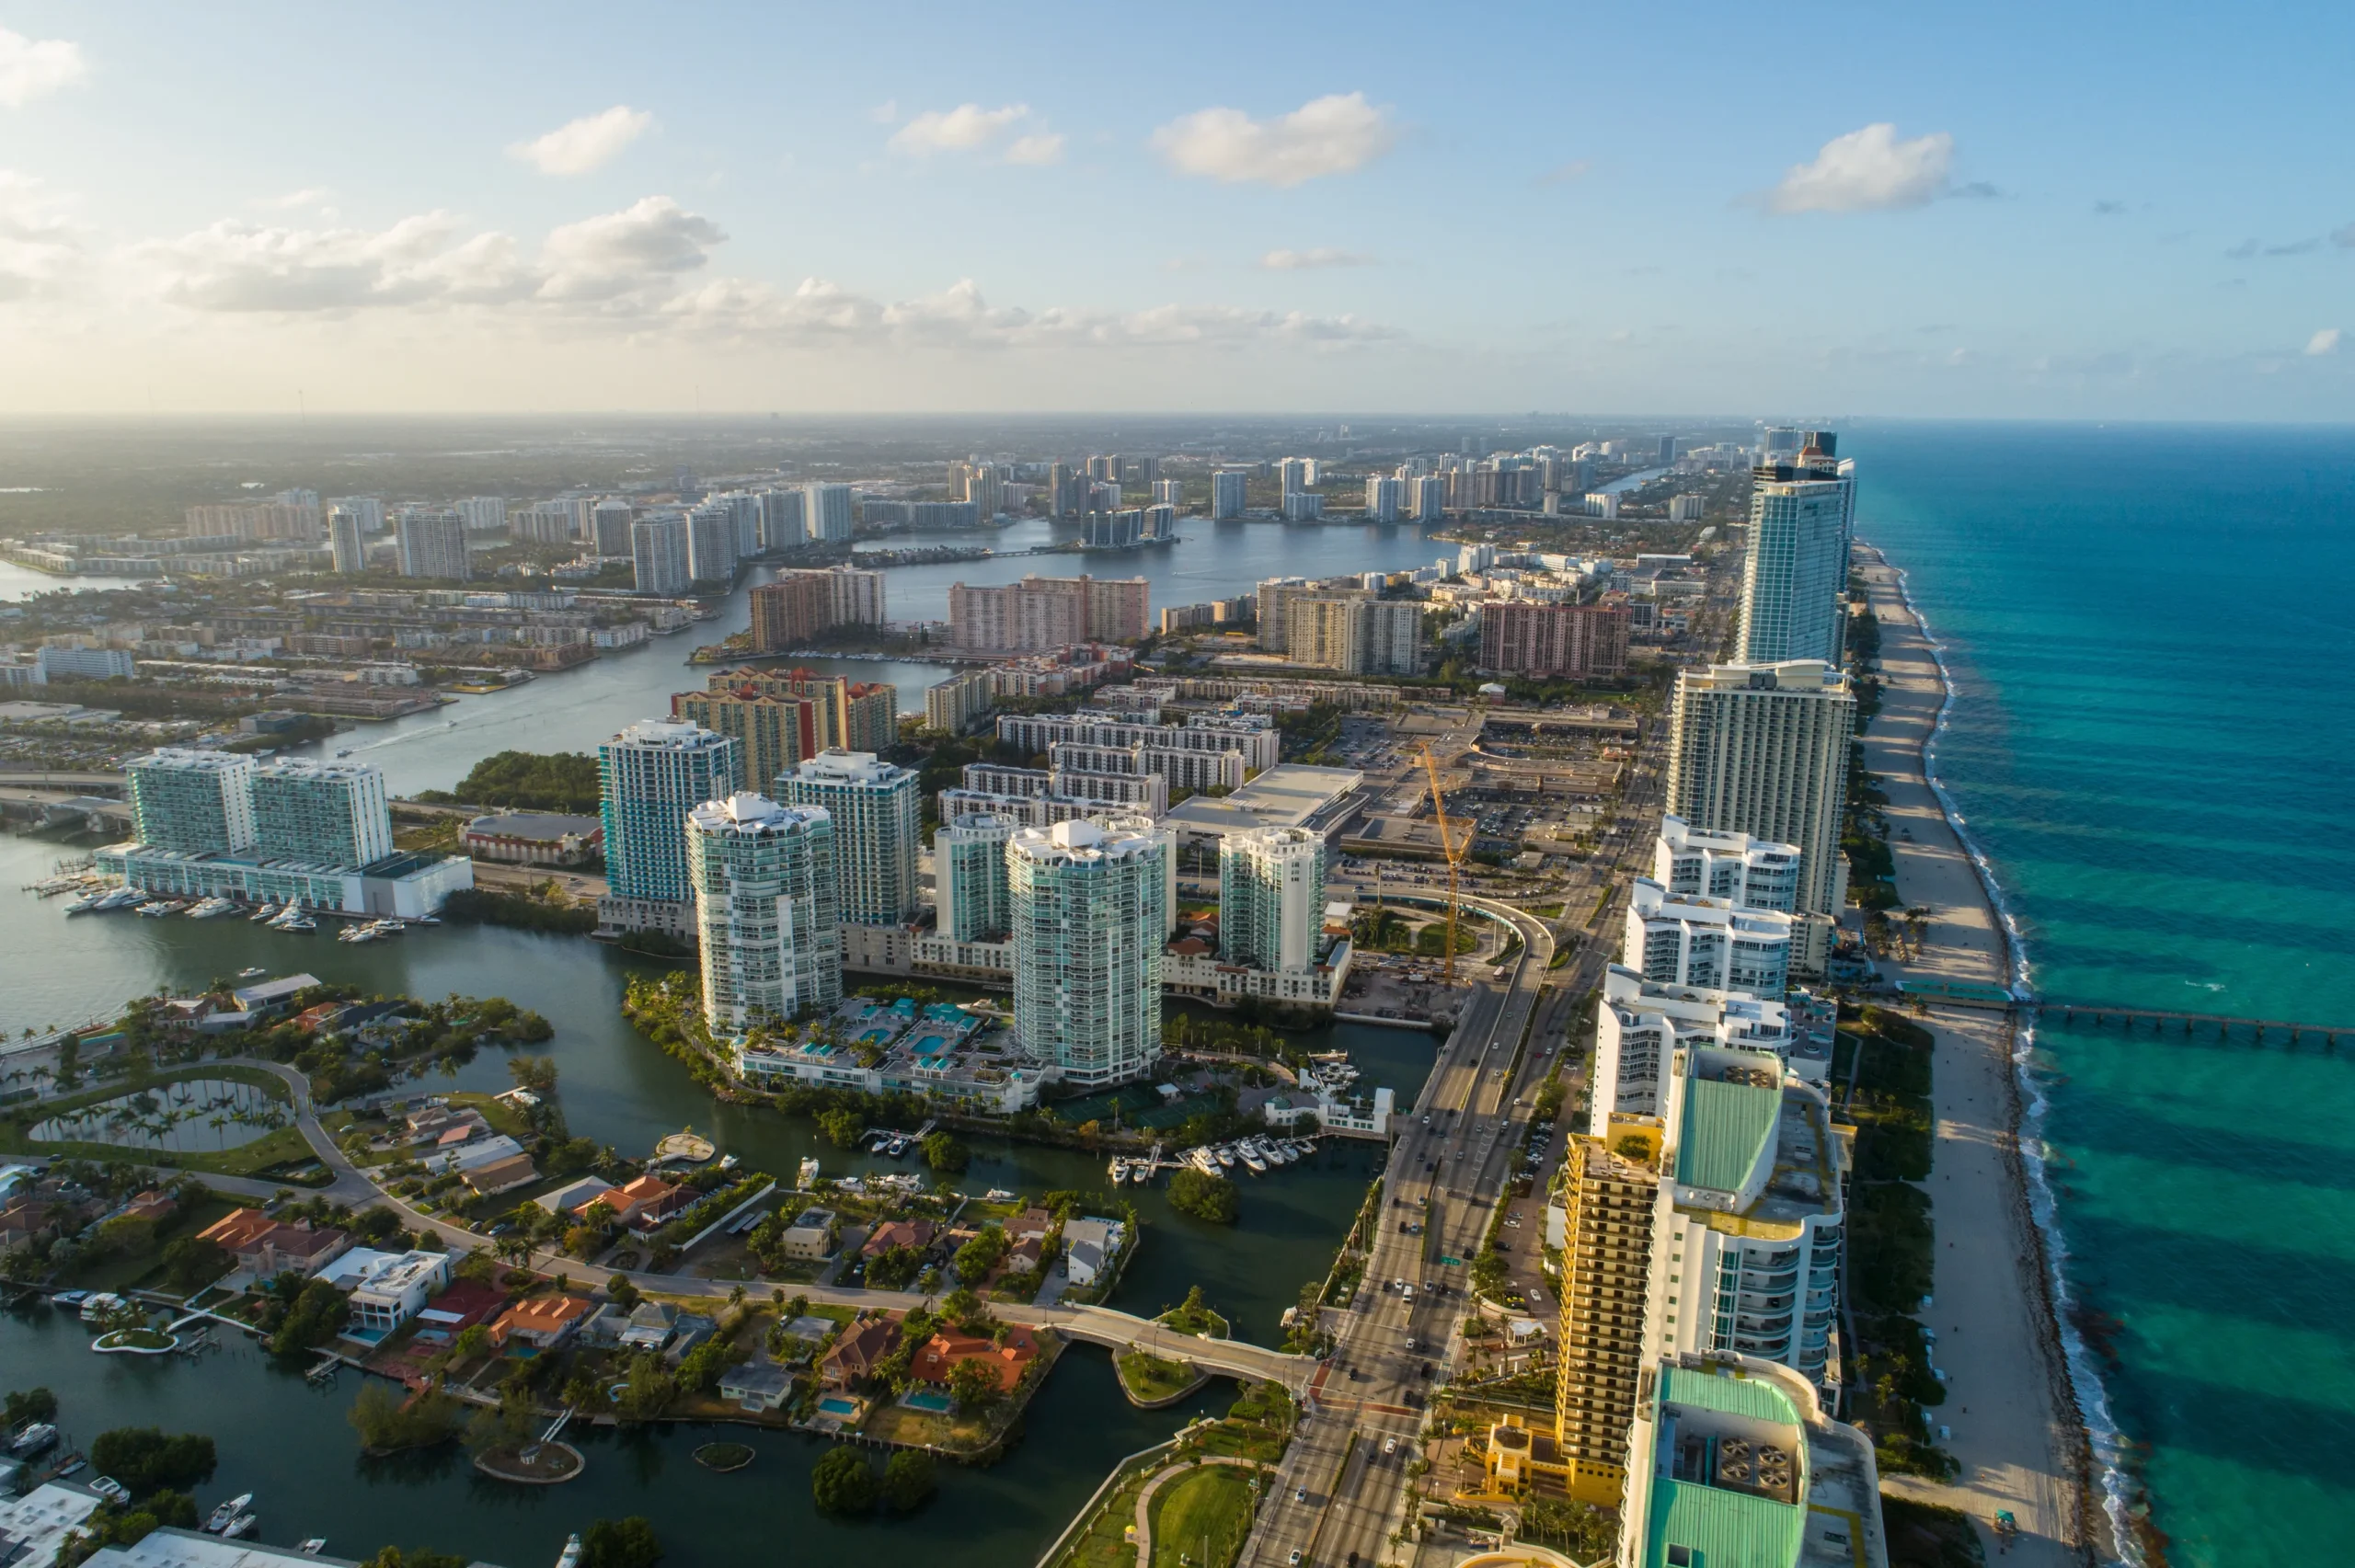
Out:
{"x": 2152, "y": 631}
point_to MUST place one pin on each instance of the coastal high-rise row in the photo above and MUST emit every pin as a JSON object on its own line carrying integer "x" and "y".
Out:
{"x": 1271, "y": 897}
{"x": 658, "y": 554}
{"x": 327, "y": 813}
{"x": 829, "y": 519}
{"x": 351, "y": 552}
{"x": 780, "y": 719}
{"x": 1089, "y": 909}
{"x": 878, "y": 815}
{"x": 1745, "y": 1252}
{"x": 650, "y": 776}
{"x": 431, "y": 544}
{"x": 969, "y": 876}
{"x": 1040, "y": 614}
{"x": 1794, "y": 576}
{"x": 1683, "y": 939}
{"x": 1554, "y": 641}
{"x": 1609, "y": 1186}
{"x": 1641, "y": 1024}
{"x": 801, "y": 605}
{"x": 768, "y": 938}
{"x": 1762, "y": 749}
{"x": 1750, "y": 874}
{"x": 192, "y": 801}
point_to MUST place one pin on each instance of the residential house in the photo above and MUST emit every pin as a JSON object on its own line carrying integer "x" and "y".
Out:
{"x": 895, "y": 1233}
{"x": 456, "y": 1309}
{"x": 543, "y": 1321}
{"x": 810, "y": 1237}
{"x": 35, "y": 1528}
{"x": 151, "y": 1206}
{"x": 463, "y": 1154}
{"x": 693, "y": 1328}
{"x": 648, "y": 1201}
{"x": 264, "y": 1246}
{"x": 1090, "y": 1245}
{"x": 649, "y": 1326}
{"x": 758, "y": 1385}
{"x": 854, "y": 1356}
{"x": 574, "y": 1197}
{"x": 1033, "y": 1222}
{"x": 386, "y": 1289}
{"x": 949, "y": 1347}
{"x": 807, "y": 1333}
{"x": 25, "y": 1220}
{"x": 500, "y": 1175}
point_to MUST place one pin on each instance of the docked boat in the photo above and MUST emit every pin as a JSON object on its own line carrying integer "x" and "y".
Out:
{"x": 83, "y": 904}
{"x": 1119, "y": 1171}
{"x": 33, "y": 1439}
{"x": 808, "y": 1175}
{"x": 1249, "y": 1154}
{"x": 314, "y": 1546}
{"x": 101, "y": 1305}
{"x": 111, "y": 1489}
{"x": 997, "y": 1195}
{"x": 267, "y": 911}
{"x": 356, "y": 933}
{"x": 571, "y": 1556}
{"x": 253, "y": 972}
{"x": 1224, "y": 1155}
{"x": 161, "y": 908}
{"x": 1205, "y": 1162}
{"x": 211, "y": 909}
{"x": 240, "y": 1527}
{"x": 69, "y": 1297}
{"x": 226, "y": 1515}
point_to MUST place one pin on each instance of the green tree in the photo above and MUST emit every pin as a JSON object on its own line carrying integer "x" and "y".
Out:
{"x": 1204, "y": 1196}
{"x": 536, "y": 1074}
{"x": 313, "y": 1319}
{"x": 620, "y": 1543}
{"x": 977, "y": 1257}
{"x": 843, "y": 1127}
{"x": 145, "y": 1460}
{"x": 973, "y": 1384}
{"x": 945, "y": 1153}
{"x": 192, "y": 1263}
{"x": 387, "y": 1423}
{"x": 27, "y": 1405}
{"x": 908, "y": 1480}
{"x": 843, "y": 1482}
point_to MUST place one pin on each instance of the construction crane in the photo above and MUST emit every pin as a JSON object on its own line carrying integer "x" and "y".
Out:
{"x": 1454, "y": 856}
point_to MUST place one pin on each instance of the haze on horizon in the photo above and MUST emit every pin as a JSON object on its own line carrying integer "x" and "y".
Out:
{"x": 2006, "y": 212}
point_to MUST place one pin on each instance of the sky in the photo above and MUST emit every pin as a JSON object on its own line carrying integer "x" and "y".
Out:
{"x": 2058, "y": 209}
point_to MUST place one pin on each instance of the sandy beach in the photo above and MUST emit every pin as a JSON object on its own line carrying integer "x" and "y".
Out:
{"x": 2014, "y": 1423}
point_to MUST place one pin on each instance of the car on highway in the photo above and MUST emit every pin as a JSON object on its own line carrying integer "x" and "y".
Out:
{"x": 1390, "y": 1445}
{"x": 1300, "y": 1494}
{"x": 1295, "y": 1558}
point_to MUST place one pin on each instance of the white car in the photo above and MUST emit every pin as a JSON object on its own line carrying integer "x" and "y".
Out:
{"x": 1390, "y": 1445}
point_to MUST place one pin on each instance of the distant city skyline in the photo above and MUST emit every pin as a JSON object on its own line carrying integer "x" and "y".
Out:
{"x": 2002, "y": 212}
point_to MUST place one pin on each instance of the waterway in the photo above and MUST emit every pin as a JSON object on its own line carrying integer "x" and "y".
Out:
{"x": 289, "y": 1441}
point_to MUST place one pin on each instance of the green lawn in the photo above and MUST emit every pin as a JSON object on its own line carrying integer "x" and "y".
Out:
{"x": 1149, "y": 1378}
{"x": 1200, "y": 1520}
{"x": 286, "y": 1144}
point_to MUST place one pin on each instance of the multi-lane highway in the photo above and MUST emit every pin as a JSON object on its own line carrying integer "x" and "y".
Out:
{"x": 1342, "y": 1491}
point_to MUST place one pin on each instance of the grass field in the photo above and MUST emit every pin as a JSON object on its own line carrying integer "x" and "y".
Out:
{"x": 1149, "y": 1378}
{"x": 1200, "y": 1520}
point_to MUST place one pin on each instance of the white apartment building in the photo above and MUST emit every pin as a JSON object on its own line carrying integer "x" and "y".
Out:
{"x": 345, "y": 543}
{"x": 969, "y": 882}
{"x": 1762, "y": 749}
{"x": 769, "y": 939}
{"x": 1091, "y": 905}
{"x": 1686, "y": 940}
{"x": 1229, "y": 488}
{"x": 1271, "y": 897}
{"x": 192, "y": 801}
{"x": 829, "y": 512}
{"x": 1385, "y": 498}
{"x": 711, "y": 542}
{"x": 650, "y": 776}
{"x": 1750, "y": 874}
{"x": 321, "y": 813}
{"x": 658, "y": 548}
{"x": 1795, "y": 575}
{"x": 878, "y": 831}
{"x": 432, "y": 544}
{"x": 1746, "y": 1234}
{"x": 483, "y": 514}
{"x": 1641, "y": 1026}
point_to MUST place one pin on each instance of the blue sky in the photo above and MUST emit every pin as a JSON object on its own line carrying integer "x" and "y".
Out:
{"x": 2056, "y": 209}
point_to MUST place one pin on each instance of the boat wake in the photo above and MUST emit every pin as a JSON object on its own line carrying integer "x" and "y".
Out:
{"x": 2108, "y": 1445}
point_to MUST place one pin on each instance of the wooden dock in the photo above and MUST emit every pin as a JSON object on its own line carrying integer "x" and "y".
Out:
{"x": 2069, "y": 1013}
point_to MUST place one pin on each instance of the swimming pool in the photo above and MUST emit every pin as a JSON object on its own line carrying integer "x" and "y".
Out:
{"x": 926, "y": 1399}
{"x": 834, "y": 1404}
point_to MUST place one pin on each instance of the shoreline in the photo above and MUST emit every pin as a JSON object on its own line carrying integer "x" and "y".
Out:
{"x": 2035, "y": 1452}
{"x": 2105, "y": 1445}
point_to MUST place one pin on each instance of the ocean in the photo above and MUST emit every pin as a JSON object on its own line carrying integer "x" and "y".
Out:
{"x": 2151, "y": 635}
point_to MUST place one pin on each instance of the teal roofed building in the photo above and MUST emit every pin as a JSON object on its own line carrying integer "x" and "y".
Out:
{"x": 1733, "y": 1464}
{"x": 1746, "y": 1235}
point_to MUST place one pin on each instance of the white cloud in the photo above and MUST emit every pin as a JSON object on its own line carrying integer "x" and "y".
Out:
{"x": 31, "y": 70}
{"x": 885, "y": 112}
{"x": 309, "y": 196}
{"x": 1320, "y": 255}
{"x": 1563, "y": 174}
{"x": 2324, "y": 342}
{"x": 40, "y": 246}
{"x": 1333, "y": 134}
{"x": 618, "y": 263}
{"x": 1871, "y": 170}
{"x": 959, "y": 130}
{"x": 622, "y": 254}
{"x": 1044, "y": 148}
{"x": 589, "y": 143}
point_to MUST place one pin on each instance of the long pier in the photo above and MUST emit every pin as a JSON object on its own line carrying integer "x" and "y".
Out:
{"x": 2069, "y": 1013}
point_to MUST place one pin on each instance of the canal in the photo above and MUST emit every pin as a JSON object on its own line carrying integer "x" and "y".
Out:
{"x": 290, "y": 1442}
